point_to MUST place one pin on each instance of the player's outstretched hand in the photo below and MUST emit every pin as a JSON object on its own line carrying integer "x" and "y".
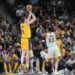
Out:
{"x": 30, "y": 12}
{"x": 29, "y": 8}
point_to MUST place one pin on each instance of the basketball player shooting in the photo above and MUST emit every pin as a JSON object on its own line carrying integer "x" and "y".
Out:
{"x": 52, "y": 46}
{"x": 26, "y": 35}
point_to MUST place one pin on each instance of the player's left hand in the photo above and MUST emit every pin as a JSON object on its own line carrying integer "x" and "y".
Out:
{"x": 30, "y": 12}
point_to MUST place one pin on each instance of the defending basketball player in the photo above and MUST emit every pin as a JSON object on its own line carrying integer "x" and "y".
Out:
{"x": 52, "y": 46}
{"x": 26, "y": 35}
{"x": 59, "y": 44}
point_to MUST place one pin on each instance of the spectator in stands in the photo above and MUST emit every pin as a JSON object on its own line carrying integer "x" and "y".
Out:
{"x": 71, "y": 63}
{"x": 19, "y": 11}
{"x": 6, "y": 61}
{"x": 6, "y": 31}
{"x": 1, "y": 38}
{"x": 39, "y": 31}
{"x": 18, "y": 38}
{"x": 33, "y": 31}
{"x": 14, "y": 58}
{"x": 1, "y": 47}
{"x": 35, "y": 41}
{"x": 14, "y": 32}
{"x": 8, "y": 40}
{"x": 18, "y": 52}
{"x": 3, "y": 23}
{"x": 8, "y": 37}
{"x": 9, "y": 48}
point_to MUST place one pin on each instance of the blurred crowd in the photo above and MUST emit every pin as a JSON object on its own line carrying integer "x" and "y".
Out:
{"x": 48, "y": 12}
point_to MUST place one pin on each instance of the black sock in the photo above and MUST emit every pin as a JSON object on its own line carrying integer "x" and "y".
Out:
{"x": 50, "y": 67}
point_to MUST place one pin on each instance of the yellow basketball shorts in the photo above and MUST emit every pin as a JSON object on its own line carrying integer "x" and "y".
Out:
{"x": 25, "y": 44}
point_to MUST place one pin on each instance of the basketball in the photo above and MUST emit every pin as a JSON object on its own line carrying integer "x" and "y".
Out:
{"x": 29, "y": 8}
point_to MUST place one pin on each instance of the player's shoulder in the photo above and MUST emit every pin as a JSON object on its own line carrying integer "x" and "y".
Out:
{"x": 49, "y": 34}
{"x": 22, "y": 25}
{"x": 53, "y": 33}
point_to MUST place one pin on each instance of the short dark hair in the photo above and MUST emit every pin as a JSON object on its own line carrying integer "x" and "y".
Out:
{"x": 22, "y": 19}
{"x": 50, "y": 28}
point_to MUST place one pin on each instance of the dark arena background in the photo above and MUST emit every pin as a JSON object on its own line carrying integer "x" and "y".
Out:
{"x": 60, "y": 13}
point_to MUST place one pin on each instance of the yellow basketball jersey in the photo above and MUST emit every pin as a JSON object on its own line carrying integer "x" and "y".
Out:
{"x": 14, "y": 55}
{"x": 8, "y": 56}
{"x": 58, "y": 42}
{"x": 63, "y": 51}
{"x": 26, "y": 31}
{"x": 62, "y": 32}
{"x": 1, "y": 58}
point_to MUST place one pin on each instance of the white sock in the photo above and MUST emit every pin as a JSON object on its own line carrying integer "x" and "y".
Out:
{"x": 22, "y": 57}
{"x": 56, "y": 65}
{"x": 43, "y": 69}
{"x": 31, "y": 63}
{"x": 53, "y": 69}
{"x": 37, "y": 61}
{"x": 27, "y": 60}
{"x": 27, "y": 66}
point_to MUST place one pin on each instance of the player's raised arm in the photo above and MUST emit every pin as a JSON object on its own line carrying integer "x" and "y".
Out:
{"x": 58, "y": 29}
{"x": 33, "y": 19}
{"x": 29, "y": 16}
